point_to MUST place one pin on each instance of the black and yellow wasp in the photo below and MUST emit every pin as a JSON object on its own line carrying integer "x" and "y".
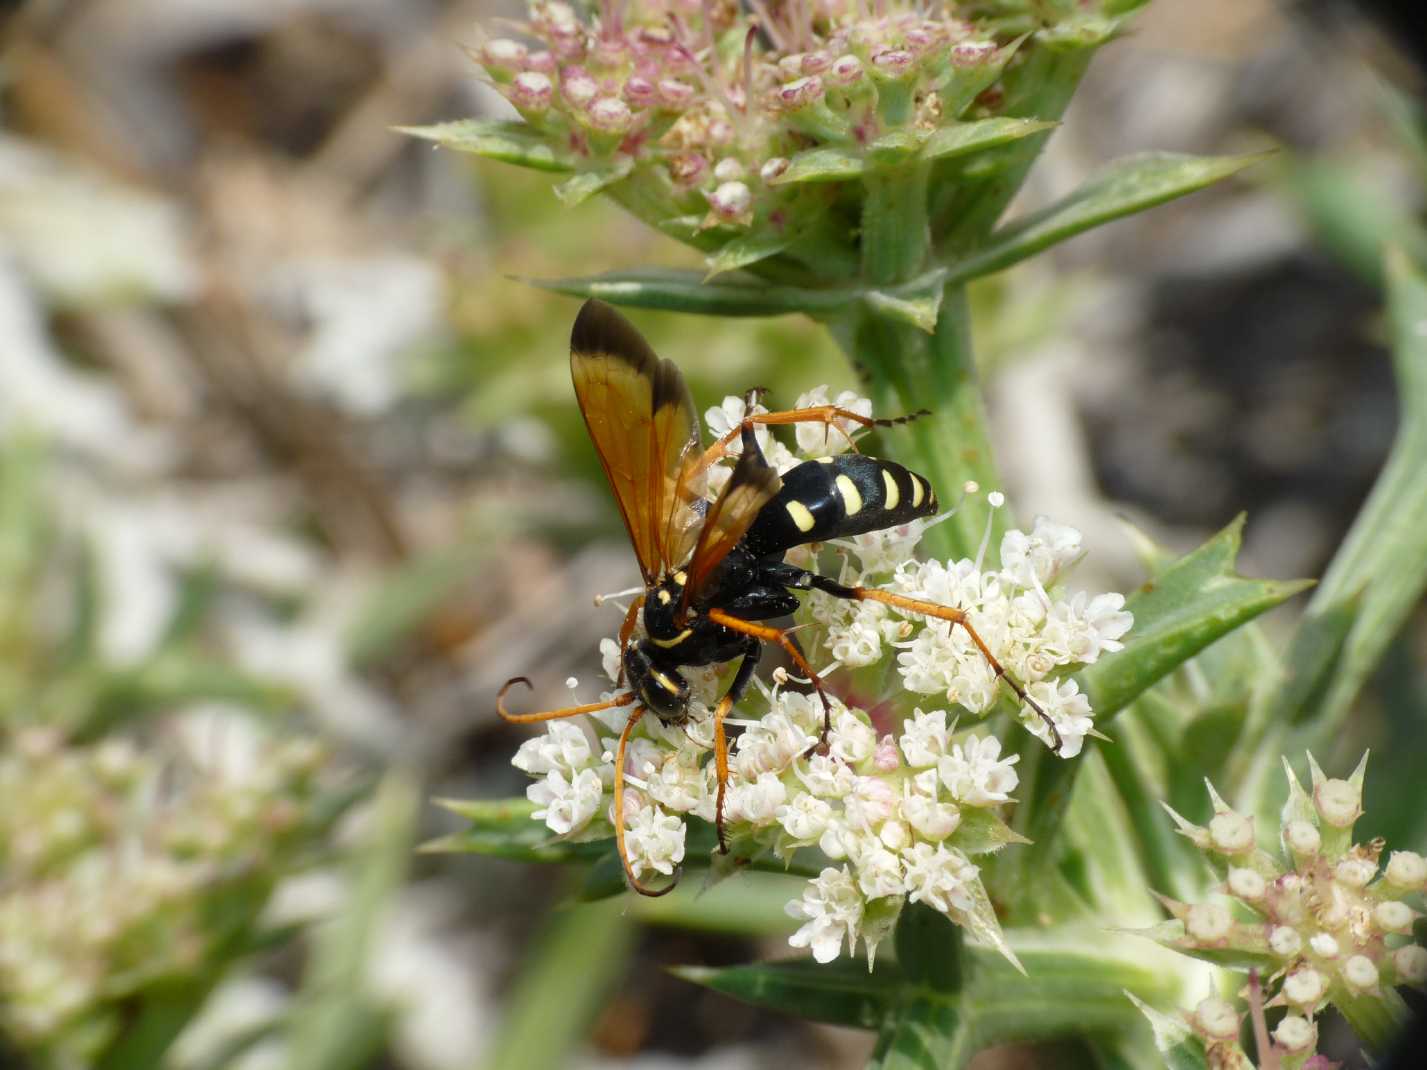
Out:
{"x": 714, "y": 572}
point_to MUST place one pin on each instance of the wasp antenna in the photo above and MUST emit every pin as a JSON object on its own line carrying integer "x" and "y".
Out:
{"x": 552, "y": 715}
{"x": 906, "y": 418}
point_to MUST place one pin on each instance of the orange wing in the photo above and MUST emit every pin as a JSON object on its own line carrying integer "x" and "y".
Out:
{"x": 753, "y": 483}
{"x": 640, "y": 415}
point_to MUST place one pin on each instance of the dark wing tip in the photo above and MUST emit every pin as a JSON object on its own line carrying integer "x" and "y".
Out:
{"x": 600, "y": 329}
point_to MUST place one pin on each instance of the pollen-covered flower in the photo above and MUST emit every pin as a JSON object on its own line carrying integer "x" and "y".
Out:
{"x": 1322, "y": 920}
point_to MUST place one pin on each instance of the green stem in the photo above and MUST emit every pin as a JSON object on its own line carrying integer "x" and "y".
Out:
{"x": 907, "y": 369}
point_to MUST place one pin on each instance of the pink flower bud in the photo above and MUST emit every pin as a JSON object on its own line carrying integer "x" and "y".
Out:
{"x": 728, "y": 169}
{"x": 541, "y": 61}
{"x": 731, "y": 202}
{"x": 609, "y": 50}
{"x": 640, "y": 92}
{"x": 1217, "y": 1019}
{"x": 801, "y": 93}
{"x": 791, "y": 66}
{"x": 816, "y": 62}
{"x": 921, "y": 39}
{"x": 503, "y": 54}
{"x": 972, "y": 53}
{"x": 886, "y": 757}
{"x": 655, "y": 38}
{"x": 720, "y": 132}
{"x": 893, "y": 62}
{"x": 846, "y": 70}
{"x": 611, "y": 115}
{"x": 531, "y": 91}
{"x": 688, "y": 169}
{"x": 675, "y": 94}
{"x": 578, "y": 87}
{"x": 774, "y": 168}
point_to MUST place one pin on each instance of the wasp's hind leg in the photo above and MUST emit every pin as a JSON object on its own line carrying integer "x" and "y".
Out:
{"x": 619, "y": 812}
{"x": 940, "y": 612}
{"x": 741, "y": 680}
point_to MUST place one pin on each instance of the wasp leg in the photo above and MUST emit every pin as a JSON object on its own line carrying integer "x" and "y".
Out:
{"x": 784, "y": 638}
{"x": 625, "y": 631}
{"x": 730, "y": 699}
{"x": 619, "y": 812}
{"x": 955, "y": 616}
{"x": 553, "y": 715}
{"x": 824, "y": 414}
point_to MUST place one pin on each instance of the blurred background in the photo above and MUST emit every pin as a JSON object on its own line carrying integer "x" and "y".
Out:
{"x": 291, "y": 479}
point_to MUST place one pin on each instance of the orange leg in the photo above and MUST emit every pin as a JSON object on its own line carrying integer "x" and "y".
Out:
{"x": 783, "y": 638}
{"x": 721, "y": 765}
{"x": 554, "y": 715}
{"x": 824, "y": 414}
{"x": 619, "y": 811}
{"x": 956, "y": 617}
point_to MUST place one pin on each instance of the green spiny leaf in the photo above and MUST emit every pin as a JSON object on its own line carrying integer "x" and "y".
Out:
{"x": 1126, "y": 187}
{"x": 509, "y": 142}
{"x": 580, "y": 187}
{"x": 919, "y": 311}
{"x": 505, "y": 829}
{"x": 1181, "y": 1049}
{"x": 960, "y": 139}
{"x": 746, "y": 250}
{"x": 821, "y": 165}
{"x": 686, "y": 291}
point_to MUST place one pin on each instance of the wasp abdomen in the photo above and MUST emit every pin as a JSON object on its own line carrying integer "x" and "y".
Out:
{"x": 838, "y": 497}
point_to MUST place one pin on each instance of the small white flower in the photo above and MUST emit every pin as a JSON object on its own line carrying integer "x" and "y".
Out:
{"x": 821, "y": 440}
{"x": 827, "y": 777}
{"x": 1067, "y": 708}
{"x": 563, "y": 745}
{"x": 566, "y": 805}
{"x": 939, "y": 877}
{"x": 654, "y": 840}
{"x": 932, "y": 819}
{"x": 805, "y": 817}
{"x": 852, "y": 739}
{"x": 611, "y": 659}
{"x": 878, "y": 868}
{"x": 757, "y": 802}
{"x": 976, "y": 774}
{"x": 870, "y": 802}
{"x": 924, "y": 738}
{"x": 771, "y": 745}
{"x": 831, "y": 908}
{"x": 1035, "y": 560}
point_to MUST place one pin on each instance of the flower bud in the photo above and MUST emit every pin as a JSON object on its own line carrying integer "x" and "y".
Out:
{"x": 531, "y": 91}
{"x": 1304, "y": 987}
{"x": 1338, "y": 802}
{"x": 1410, "y": 962}
{"x": 1284, "y": 941}
{"x": 611, "y": 115}
{"x": 1296, "y": 1034}
{"x": 1393, "y": 917}
{"x": 893, "y": 62}
{"x": 675, "y": 94}
{"x": 1302, "y": 838}
{"x": 846, "y": 70}
{"x": 688, "y": 169}
{"x": 1231, "y": 833}
{"x": 1406, "y": 869}
{"x": 801, "y": 93}
{"x": 542, "y": 61}
{"x": 578, "y": 87}
{"x": 887, "y": 758}
{"x": 1216, "y": 1018}
{"x": 1354, "y": 872}
{"x": 641, "y": 92}
{"x": 1208, "y": 923}
{"x": 503, "y": 54}
{"x": 1324, "y": 945}
{"x": 1246, "y": 884}
{"x": 728, "y": 169}
{"x": 774, "y": 168}
{"x": 721, "y": 132}
{"x": 972, "y": 53}
{"x": 1360, "y": 974}
{"x": 815, "y": 62}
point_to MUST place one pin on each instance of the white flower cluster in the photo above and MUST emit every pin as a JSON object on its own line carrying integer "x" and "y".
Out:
{"x": 1330, "y": 923}
{"x": 898, "y": 805}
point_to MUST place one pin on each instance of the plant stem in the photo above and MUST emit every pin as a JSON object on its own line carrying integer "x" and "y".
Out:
{"x": 907, "y": 369}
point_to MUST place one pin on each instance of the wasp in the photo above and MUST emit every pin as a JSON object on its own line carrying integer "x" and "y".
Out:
{"x": 714, "y": 572}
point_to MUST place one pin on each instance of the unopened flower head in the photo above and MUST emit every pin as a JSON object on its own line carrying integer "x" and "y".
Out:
{"x": 902, "y": 803}
{"x": 1327, "y": 925}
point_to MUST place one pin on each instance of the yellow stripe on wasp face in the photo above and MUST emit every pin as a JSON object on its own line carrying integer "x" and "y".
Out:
{"x": 667, "y": 643}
